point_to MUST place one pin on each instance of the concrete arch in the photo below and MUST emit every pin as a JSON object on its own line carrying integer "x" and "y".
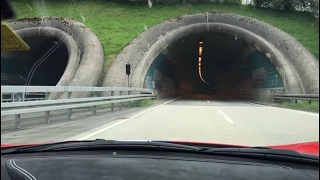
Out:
{"x": 85, "y": 52}
{"x": 282, "y": 49}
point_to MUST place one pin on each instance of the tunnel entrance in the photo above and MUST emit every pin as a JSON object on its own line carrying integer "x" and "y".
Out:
{"x": 47, "y": 55}
{"x": 228, "y": 64}
{"x": 243, "y": 57}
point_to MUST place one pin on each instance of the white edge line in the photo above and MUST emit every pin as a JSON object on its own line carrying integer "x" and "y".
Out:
{"x": 116, "y": 124}
{"x": 225, "y": 116}
{"x": 299, "y": 111}
{"x": 302, "y": 112}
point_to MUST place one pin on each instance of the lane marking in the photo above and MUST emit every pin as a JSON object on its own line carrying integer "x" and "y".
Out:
{"x": 225, "y": 116}
{"x": 120, "y": 122}
{"x": 208, "y": 101}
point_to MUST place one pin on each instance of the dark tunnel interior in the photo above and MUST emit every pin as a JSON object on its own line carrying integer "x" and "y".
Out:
{"x": 221, "y": 64}
{"x": 47, "y": 55}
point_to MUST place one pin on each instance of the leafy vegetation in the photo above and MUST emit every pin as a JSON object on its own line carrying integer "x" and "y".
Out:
{"x": 314, "y": 106}
{"x": 287, "y": 5}
{"x": 139, "y": 103}
{"x": 116, "y": 24}
{"x": 143, "y": 103}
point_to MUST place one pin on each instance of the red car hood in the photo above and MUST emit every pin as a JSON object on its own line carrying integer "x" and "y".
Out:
{"x": 306, "y": 147}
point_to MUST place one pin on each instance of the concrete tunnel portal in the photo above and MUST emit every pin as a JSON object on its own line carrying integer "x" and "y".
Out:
{"x": 65, "y": 53}
{"x": 242, "y": 57}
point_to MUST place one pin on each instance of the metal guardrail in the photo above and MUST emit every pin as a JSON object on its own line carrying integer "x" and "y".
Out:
{"x": 296, "y": 97}
{"x": 21, "y": 105}
{"x": 46, "y": 89}
{"x": 6, "y": 100}
{"x": 12, "y": 97}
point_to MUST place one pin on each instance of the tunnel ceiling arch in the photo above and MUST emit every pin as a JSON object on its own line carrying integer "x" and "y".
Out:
{"x": 84, "y": 57}
{"x": 298, "y": 68}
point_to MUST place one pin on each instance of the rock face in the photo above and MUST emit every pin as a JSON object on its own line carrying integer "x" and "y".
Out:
{"x": 299, "y": 69}
{"x": 86, "y": 56}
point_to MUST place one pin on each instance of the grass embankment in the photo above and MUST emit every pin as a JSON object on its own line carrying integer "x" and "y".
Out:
{"x": 304, "y": 105}
{"x": 117, "y": 24}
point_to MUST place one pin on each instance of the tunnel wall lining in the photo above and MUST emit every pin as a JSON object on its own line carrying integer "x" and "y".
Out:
{"x": 84, "y": 42}
{"x": 263, "y": 73}
{"x": 263, "y": 95}
{"x": 286, "y": 53}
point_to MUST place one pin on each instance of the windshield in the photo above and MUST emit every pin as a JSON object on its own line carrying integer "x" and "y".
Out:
{"x": 206, "y": 71}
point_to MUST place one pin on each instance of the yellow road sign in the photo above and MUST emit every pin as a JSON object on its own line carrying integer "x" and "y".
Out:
{"x": 10, "y": 41}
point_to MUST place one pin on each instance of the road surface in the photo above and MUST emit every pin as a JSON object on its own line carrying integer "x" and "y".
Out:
{"x": 207, "y": 119}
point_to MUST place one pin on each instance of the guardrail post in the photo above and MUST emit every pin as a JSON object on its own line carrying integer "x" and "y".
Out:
{"x": 47, "y": 113}
{"x": 17, "y": 116}
{"x": 94, "y": 112}
{"x": 309, "y": 102}
{"x": 121, "y": 102}
{"x": 112, "y": 104}
{"x": 12, "y": 97}
{"x": 18, "y": 97}
{"x": 46, "y": 96}
{"x": 69, "y": 110}
{"x": 129, "y": 102}
{"x": 23, "y": 96}
{"x": 296, "y": 101}
{"x": 17, "y": 119}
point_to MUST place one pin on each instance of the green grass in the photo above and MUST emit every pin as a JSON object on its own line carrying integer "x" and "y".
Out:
{"x": 304, "y": 105}
{"x": 117, "y": 24}
{"x": 143, "y": 103}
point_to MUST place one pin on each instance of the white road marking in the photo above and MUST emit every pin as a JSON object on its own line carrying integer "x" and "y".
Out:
{"x": 225, "y": 116}
{"x": 303, "y": 112}
{"x": 116, "y": 124}
{"x": 208, "y": 101}
{"x": 299, "y": 111}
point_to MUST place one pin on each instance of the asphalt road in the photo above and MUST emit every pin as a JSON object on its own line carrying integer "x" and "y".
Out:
{"x": 190, "y": 118}
{"x": 208, "y": 119}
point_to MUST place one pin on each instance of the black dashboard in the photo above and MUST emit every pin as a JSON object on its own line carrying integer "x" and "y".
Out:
{"x": 131, "y": 165}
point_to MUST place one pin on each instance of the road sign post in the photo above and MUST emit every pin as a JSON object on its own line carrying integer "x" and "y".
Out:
{"x": 128, "y": 71}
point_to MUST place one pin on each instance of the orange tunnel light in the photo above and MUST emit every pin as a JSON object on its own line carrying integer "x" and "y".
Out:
{"x": 200, "y": 51}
